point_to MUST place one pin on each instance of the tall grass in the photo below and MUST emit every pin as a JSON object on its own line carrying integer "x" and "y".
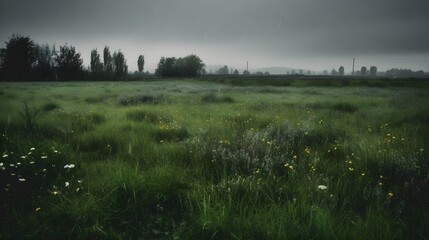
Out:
{"x": 305, "y": 160}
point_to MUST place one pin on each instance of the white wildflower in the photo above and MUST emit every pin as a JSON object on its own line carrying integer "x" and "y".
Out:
{"x": 66, "y": 184}
{"x": 322, "y": 187}
{"x": 69, "y": 166}
{"x": 21, "y": 179}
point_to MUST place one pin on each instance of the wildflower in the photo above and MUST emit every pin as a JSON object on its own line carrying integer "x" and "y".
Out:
{"x": 390, "y": 194}
{"x": 363, "y": 174}
{"x": 22, "y": 179}
{"x": 12, "y": 165}
{"x": 23, "y": 157}
{"x": 5, "y": 155}
{"x": 69, "y": 166}
{"x": 32, "y": 162}
{"x": 79, "y": 181}
{"x": 322, "y": 187}
{"x": 351, "y": 169}
{"x": 1, "y": 164}
{"x": 44, "y": 157}
{"x": 38, "y": 209}
{"x": 380, "y": 184}
{"x": 66, "y": 184}
{"x": 32, "y": 149}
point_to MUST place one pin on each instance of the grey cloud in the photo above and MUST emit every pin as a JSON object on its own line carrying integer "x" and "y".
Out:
{"x": 273, "y": 27}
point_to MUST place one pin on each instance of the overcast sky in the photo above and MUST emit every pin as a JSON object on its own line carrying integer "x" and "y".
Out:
{"x": 308, "y": 34}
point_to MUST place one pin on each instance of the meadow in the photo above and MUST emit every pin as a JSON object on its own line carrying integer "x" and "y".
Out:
{"x": 216, "y": 158}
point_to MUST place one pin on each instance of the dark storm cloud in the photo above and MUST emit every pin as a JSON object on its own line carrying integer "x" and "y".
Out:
{"x": 272, "y": 28}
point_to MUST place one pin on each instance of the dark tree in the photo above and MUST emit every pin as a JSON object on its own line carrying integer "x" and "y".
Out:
{"x": 373, "y": 70}
{"x": 19, "y": 57}
{"x": 119, "y": 65}
{"x": 308, "y": 72}
{"x": 96, "y": 65}
{"x": 334, "y": 72}
{"x": 223, "y": 70}
{"x": 166, "y": 67}
{"x": 108, "y": 65}
{"x": 189, "y": 66}
{"x": 69, "y": 64}
{"x": 2, "y": 55}
{"x": 341, "y": 71}
{"x": 363, "y": 71}
{"x": 140, "y": 63}
{"x": 44, "y": 65}
{"x": 301, "y": 72}
{"x": 236, "y": 72}
{"x": 266, "y": 73}
{"x": 245, "y": 72}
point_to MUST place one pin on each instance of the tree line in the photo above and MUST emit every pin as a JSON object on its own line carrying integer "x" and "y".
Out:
{"x": 24, "y": 60}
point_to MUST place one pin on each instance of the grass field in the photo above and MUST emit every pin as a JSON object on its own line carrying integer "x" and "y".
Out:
{"x": 218, "y": 159}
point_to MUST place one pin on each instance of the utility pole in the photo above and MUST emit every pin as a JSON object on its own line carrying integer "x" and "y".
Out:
{"x": 247, "y": 68}
{"x": 353, "y": 71}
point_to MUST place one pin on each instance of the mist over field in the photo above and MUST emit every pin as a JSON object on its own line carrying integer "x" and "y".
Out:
{"x": 192, "y": 119}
